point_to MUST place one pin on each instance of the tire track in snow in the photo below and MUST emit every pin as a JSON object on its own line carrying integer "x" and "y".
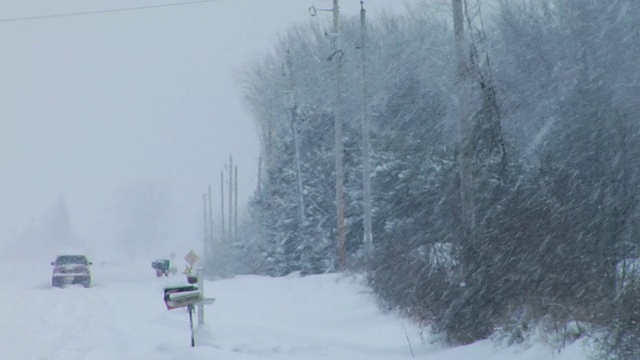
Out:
{"x": 70, "y": 324}
{"x": 40, "y": 322}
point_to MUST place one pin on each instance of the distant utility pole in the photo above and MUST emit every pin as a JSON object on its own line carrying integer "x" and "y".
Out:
{"x": 235, "y": 200}
{"x": 210, "y": 219}
{"x": 270, "y": 156}
{"x": 231, "y": 234}
{"x": 291, "y": 104}
{"x": 366, "y": 143}
{"x": 206, "y": 227}
{"x": 222, "y": 232}
{"x": 336, "y": 58}
{"x": 259, "y": 186}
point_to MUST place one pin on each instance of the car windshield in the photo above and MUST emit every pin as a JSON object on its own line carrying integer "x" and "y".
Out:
{"x": 71, "y": 259}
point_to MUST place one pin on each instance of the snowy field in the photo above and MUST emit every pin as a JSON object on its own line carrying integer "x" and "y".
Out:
{"x": 122, "y": 316}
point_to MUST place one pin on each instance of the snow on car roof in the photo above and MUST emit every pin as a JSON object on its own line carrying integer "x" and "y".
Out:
{"x": 71, "y": 251}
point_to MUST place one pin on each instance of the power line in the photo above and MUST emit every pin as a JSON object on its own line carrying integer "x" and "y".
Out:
{"x": 82, "y": 13}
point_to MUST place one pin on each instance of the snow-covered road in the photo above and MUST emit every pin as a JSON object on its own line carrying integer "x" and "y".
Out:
{"x": 122, "y": 316}
{"x": 118, "y": 318}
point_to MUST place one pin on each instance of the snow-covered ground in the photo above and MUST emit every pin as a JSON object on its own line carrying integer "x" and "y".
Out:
{"x": 123, "y": 317}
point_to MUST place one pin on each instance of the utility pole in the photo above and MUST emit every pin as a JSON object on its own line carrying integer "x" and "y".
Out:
{"x": 259, "y": 187}
{"x": 235, "y": 202}
{"x": 210, "y": 221}
{"x": 269, "y": 161}
{"x": 222, "y": 232}
{"x": 464, "y": 121}
{"x": 231, "y": 234}
{"x": 292, "y": 105}
{"x": 206, "y": 227}
{"x": 336, "y": 58}
{"x": 366, "y": 144}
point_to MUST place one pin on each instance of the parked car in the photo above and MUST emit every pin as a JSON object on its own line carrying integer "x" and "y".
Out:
{"x": 71, "y": 269}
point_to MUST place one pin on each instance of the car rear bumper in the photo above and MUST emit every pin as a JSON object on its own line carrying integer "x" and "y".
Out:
{"x": 71, "y": 279}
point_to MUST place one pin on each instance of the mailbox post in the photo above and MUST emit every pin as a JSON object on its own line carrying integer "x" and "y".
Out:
{"x": 200, "y": 274}
{"x": 188, "y": 296}
{"x": 193, "y": 338}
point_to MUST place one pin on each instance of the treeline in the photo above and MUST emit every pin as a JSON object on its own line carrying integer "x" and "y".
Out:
{"x": 544, "y": 233}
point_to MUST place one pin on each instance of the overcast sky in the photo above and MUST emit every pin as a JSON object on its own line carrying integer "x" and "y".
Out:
{"x": 94, "y": 107}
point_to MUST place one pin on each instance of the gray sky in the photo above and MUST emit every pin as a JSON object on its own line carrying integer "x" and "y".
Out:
{"x": 94, "y": 107}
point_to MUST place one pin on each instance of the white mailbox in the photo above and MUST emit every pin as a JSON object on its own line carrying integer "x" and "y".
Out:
{"x": 181, "y": 296}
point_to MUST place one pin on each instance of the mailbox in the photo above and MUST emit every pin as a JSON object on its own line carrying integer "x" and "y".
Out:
{"x": 181, "y": 296}
{"x": 187, "y": 296}
{"x": 162, "y": 267}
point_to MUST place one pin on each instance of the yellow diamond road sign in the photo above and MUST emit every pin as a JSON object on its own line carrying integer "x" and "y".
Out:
{"x": 191, "y": 258}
